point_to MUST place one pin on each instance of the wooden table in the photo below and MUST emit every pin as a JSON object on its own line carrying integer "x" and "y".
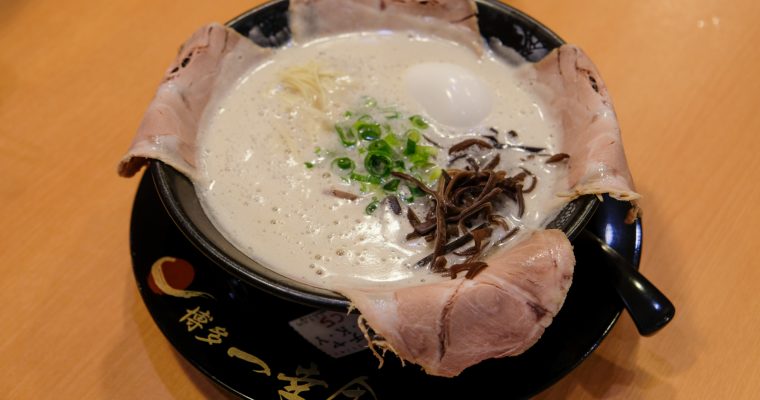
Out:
{"x": 76, "y": 76}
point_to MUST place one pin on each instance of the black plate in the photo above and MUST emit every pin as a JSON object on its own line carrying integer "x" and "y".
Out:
{"x": 256, "y": 324}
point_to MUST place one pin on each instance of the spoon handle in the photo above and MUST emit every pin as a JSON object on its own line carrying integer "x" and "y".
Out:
{"x": 649, "y": 308}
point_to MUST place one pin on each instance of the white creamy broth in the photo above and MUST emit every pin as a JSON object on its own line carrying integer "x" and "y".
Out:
{"x": 256, "y": 141}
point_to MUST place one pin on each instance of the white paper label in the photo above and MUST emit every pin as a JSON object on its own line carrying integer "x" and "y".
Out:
{"x": 335, "y": 333}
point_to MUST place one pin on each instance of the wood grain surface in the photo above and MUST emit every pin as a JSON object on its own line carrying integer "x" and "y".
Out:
{"x": 76, "y": 76}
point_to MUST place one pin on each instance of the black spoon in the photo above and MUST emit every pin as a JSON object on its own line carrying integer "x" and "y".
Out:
{"x": 647, "y": 305}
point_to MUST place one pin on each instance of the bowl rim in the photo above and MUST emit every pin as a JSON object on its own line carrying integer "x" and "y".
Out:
{"x": 166, "y": 180}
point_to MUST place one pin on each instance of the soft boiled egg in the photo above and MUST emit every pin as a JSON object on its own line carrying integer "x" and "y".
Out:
{"x": 449, "y": 94}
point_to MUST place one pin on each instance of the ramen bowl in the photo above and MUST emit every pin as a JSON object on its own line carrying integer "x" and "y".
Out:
{"x": 497, "y": 21}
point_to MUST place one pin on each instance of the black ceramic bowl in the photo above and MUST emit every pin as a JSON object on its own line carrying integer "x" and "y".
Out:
{"x": 514, "y": 29}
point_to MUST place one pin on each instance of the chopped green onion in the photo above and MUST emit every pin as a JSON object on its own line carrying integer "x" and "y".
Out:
{"x": 422, "y": 165}
{"x": 372, "y": 206}
{"x": 364, "y": 178}
{"x": 418, "y": 122}
{"x": 377, "y": 164}
{"x": 344, "y": 163}
{"x": 380, "y": 146}
{"x": 309, "y": 165}
{"x": 371, "y": 136}
{"x": 359, "y": 177}
{"x": 346, "y": 135}
{"x": 411, "y": 147}
{"x": 422, "y": 154}
{"x": 413, "y": 134}
{"x": 367, "y": 131}
{"x": 391, "y": 186}
{"x": 392, "y": 115}
{"x": 435, "y": 174}
{"x": 427, "y": 150}
{"x": 392, "y": 140}
{"x": 416, "y": 191}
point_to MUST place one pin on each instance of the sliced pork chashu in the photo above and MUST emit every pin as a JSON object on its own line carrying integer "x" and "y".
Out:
{"x": 207, "y": 64}
{"x": 315, "y": 18}
{"x": 577, "y": 93}
{"x": 448, "y": 326}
